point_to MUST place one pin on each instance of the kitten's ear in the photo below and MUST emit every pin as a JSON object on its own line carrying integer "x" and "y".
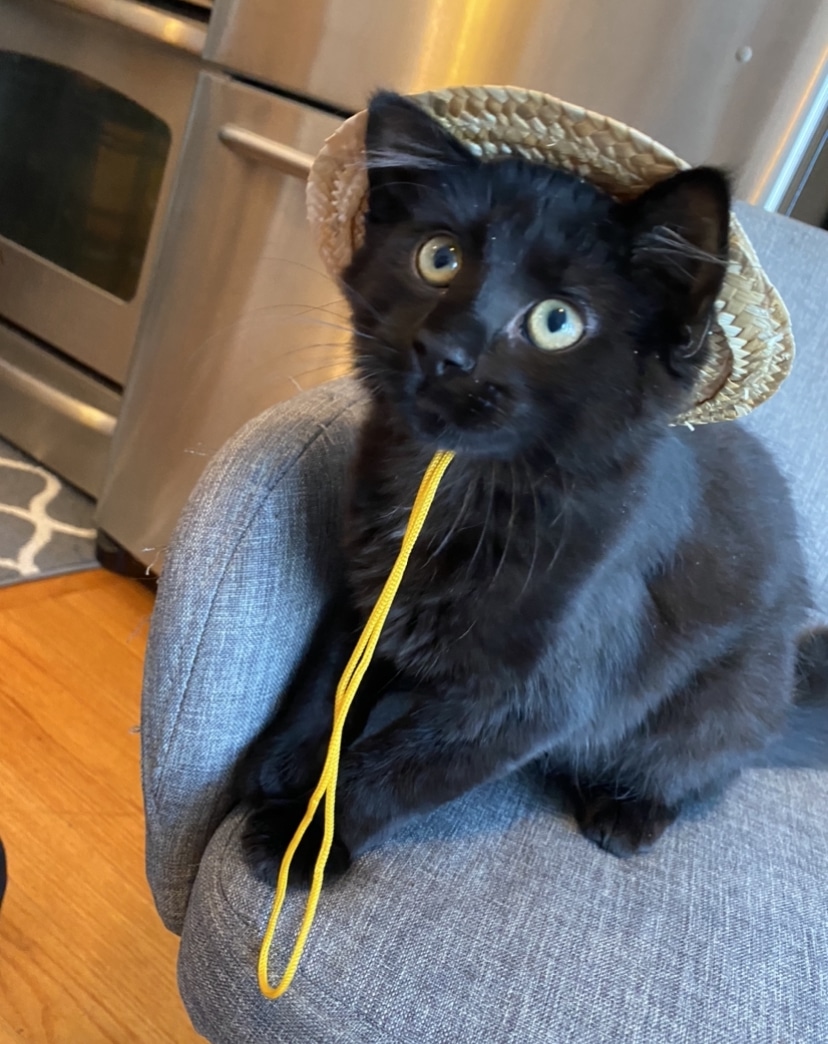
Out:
{"x": 404, "y": 147}
{"x": 679, "y": 238}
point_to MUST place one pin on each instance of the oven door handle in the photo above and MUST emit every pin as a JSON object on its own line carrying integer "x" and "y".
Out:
{"x": 68, "y": 406}
{"x": 254, "y": 146}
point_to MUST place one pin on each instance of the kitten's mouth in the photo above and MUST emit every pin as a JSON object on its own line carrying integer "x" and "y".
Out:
{"x": 468, "y": 417}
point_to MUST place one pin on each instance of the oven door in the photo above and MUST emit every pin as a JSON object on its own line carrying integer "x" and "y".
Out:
{"x": 92, "y": 114}
{"x": 240, "y": 313}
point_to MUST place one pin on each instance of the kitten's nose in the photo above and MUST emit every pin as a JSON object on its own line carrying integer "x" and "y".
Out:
{"x": 441, "y": 355}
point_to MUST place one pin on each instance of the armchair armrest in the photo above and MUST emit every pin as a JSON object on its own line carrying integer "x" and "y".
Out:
{"x": 794, "y": 422}
{"x": 247, "y": 573}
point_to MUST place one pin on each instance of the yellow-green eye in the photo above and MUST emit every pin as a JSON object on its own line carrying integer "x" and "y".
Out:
{"x": 438, "y": 260}
{"x": 554, "y": 325}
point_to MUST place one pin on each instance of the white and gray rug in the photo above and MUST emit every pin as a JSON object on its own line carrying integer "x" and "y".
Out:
{"x": 46, "y": 526}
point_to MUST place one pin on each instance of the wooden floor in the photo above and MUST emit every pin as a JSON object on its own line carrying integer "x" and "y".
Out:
{"x": 83, "y": 956}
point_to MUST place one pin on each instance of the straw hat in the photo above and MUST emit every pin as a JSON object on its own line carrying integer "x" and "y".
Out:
{"x": 751, "y": 339}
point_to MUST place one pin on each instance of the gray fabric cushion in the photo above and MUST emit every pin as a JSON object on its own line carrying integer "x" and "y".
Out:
{"x": 245, "y": 576}
{"x": 495, "y": 921}
{"x": 794, "y": 422}
{"x": 492, "y": 920}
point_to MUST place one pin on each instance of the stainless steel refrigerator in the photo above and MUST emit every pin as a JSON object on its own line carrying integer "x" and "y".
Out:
{"x": 239, "y": 314}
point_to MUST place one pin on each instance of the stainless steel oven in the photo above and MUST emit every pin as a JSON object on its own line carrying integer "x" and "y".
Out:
{"x": 94, "y": 100}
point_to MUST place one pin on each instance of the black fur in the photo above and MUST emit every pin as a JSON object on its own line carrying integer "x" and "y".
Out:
{"x": 595, "y": 589}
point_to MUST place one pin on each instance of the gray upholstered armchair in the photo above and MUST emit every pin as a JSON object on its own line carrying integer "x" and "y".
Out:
{"x": 493, "y": 920}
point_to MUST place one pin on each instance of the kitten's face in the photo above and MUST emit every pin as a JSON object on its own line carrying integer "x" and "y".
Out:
{"x": 507, "y": 308}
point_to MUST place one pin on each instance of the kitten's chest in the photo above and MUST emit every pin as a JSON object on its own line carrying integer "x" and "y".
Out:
{"x": 491, "y": 571}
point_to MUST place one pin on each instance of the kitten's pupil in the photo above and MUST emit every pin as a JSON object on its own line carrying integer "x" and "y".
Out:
{"x": 444, "y": 257}
{"x": 557, "y": 319}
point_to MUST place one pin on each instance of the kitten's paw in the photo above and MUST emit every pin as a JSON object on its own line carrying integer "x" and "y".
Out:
{"x": 269, "y": 829}
{"x": 623, "y": 827}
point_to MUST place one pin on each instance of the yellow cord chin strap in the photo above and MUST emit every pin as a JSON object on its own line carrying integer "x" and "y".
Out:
{"x": 345, "y": 692}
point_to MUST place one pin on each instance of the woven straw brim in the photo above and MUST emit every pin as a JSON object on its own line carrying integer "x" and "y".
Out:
{"x": 752, "y": 344}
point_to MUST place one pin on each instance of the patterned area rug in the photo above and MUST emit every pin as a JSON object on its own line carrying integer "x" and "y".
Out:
{"x": 46, "y": 527}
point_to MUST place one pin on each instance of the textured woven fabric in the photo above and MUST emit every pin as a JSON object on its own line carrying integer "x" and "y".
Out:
{"x": 492, "y": 920}
{"x": 495, "y": 921}
{"x": 794, "y": 422}
{"x": 245, "y": 577}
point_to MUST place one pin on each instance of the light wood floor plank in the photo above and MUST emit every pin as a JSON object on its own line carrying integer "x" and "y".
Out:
{"x": 83, "y": 956}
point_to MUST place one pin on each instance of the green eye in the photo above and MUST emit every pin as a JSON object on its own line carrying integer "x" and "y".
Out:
{"x": 438, "y": 260}
{"x": 554, "y": 325}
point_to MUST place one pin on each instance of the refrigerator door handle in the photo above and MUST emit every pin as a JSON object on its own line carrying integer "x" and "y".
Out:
{"x": 263, "y": 150}
{"x": 184, "y": 33}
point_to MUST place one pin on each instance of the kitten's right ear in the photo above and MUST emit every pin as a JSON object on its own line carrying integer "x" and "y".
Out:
{"x": 680, "y": 238}
{"x": 404, "y": 147}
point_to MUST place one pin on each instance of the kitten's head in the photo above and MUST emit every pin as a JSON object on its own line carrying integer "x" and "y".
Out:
{"x": 504, "y": 308}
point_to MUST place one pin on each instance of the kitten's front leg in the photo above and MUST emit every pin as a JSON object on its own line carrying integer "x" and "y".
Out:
{"x": 622, "y": 825}
{"x": 278, "y": 773}
{"x": 284, "y": 771}
{"x": 434, "y": 750}
{"x": 271, "y": 826}
{"x": 422, "y": 761}
{"x": 275, "y": 814}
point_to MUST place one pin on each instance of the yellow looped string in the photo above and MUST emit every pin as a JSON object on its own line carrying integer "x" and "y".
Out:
{"x": 345, "y": 692}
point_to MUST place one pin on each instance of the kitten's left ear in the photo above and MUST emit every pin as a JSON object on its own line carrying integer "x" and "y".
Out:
{"x": 679, "y": 238}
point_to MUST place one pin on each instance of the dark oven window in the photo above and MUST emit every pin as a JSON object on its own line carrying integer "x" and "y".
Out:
{"x": 80, "y": 171}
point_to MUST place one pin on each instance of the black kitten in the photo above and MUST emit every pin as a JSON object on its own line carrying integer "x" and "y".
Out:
{"x": 593, "y": 588}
